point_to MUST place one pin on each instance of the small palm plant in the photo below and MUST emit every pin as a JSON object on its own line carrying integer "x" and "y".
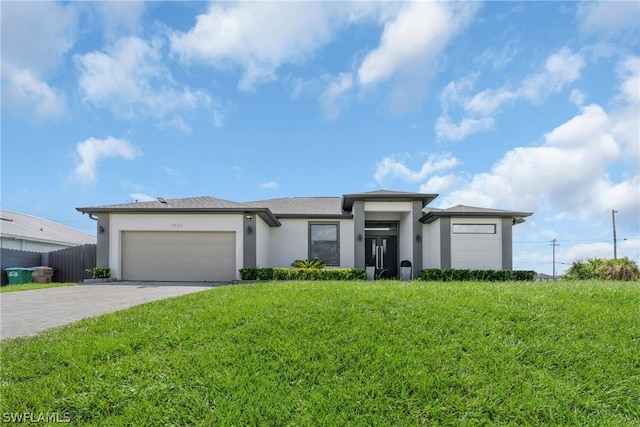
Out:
{"x": 315, "y": 263}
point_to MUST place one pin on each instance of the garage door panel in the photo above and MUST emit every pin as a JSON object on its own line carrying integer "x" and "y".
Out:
{"x": 178, "y": 256}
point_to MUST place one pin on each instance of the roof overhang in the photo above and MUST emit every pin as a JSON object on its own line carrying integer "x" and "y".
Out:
{"x": 264, "y": 213}
{"x": 315, "y": 216}
{"x": 386, "y": 196}
{"x": 517, "y": 217}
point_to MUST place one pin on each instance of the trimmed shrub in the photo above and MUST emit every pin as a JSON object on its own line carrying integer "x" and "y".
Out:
{"x": 319, "y": 274}
{"x": 462, "y": 275}
{"x": 484, "y": 275}
{"x": 431, "y": 275}
{"x": 265, "y": 273}
{"x": 503, "y": 275}
{"x": 524, "y": 275}
{"x": 269, "y": 273}
{"x": 249, "y": 273}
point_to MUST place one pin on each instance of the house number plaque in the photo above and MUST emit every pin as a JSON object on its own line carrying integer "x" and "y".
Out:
{"x": 176, "y": 225}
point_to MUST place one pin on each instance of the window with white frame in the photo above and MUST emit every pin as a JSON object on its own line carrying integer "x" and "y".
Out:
{"x": 324, "y": 243}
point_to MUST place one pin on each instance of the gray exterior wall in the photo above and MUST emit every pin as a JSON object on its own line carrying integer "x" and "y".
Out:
{"x": 445, "y": 243}
{"x": 358, "y": 234}
{"x": 249, "y": 241}
{"x": 507, "y": 250}
{"x": 416, "y": 234}
{"x": 102, "y": 234}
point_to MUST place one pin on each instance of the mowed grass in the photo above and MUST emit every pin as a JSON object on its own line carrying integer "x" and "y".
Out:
{"x": 336, "y": 354}
{"x": 33, "y": 286}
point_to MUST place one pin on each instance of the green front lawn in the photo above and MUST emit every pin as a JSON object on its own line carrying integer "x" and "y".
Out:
{"x": 32, "y": 286}
{"x": 344, "y": 353}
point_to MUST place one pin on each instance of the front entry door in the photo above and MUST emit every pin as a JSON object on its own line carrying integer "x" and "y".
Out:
{"x": 382, "y": 252}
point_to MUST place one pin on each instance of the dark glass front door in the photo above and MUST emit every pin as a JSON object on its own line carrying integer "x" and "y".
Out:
{"x": 382, "y": 252}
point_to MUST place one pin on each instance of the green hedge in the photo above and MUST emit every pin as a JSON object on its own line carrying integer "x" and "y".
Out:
{"x": 268, "y": 273}
{"x": 429, "y": 274}
{"x": 450, "y": 275}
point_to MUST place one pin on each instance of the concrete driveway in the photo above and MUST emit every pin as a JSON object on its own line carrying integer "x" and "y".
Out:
{"x": 29, "y": 312}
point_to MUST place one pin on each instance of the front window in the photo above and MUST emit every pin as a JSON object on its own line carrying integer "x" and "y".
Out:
{"x": 324, "y": 243}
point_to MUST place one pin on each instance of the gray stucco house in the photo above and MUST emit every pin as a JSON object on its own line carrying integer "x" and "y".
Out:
{"x": 210, "y": 239}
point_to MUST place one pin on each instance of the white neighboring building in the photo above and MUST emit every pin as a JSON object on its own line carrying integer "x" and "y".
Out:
{"x": 30, "y": 233}
{"x": 210, "y": 239}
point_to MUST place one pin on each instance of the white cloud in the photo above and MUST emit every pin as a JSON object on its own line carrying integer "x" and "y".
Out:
{"x": 391, "y": 168}
{"x": 584, "y": 251}
{"x": 222, "y": 111}
{"x": 141, "y": 197}
{"x": 334, "y": 97}
{"x": 560, "y": 69}
{"x": 410, "y": 45}
{"x": 26, "y": 94}
{"x": 626, "y": 113}
{"x": 177, "y": 122}
{"x": 413, "y": 40}
{"x": 172, "y": 171}
{"x": 131, "y": 80}
{"x": 607, "y": 18}
{"x": 584, "y": 168}
{"x": 440, "y": 183}
{"x": 569, "y": 172}
{"x": 446, "y": 129}
{"x": 46, "y": 32}
{"x": 92, "y": 151}
{"x": 488, "y": 101}
{"x": 119, "y": 17}
{"x": 271, "y": 185}
{"x": 257, "y": 36}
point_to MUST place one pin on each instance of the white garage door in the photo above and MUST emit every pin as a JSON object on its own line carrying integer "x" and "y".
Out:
{"x": 178, "y": 256}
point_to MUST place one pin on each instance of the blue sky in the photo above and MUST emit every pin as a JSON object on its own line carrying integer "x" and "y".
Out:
{"x": 530, "y": 106}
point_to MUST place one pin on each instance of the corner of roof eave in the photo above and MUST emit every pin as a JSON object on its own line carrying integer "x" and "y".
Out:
{"x": 268, "y": 217}
{"x": 519, "y": 217}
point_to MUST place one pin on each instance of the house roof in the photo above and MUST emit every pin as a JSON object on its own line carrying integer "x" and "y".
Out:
{"x": 204, "y": 202}
{"x": 307, "y": 207}
{"x": 26, "y": 227}
{"x": 386, "y": 196}
{"x": 431, "y": 214}
{"x": 190, "y": 204}
{"x": 302, "y": 207}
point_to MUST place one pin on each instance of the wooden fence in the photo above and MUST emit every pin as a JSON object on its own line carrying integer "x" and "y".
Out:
{"x": 69, "y": 265}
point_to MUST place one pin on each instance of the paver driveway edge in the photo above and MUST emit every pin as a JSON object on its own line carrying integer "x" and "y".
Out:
{"x": 26, "y": 313}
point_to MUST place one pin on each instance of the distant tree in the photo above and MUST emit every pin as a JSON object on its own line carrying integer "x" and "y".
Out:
{"x": 605, "y": 269}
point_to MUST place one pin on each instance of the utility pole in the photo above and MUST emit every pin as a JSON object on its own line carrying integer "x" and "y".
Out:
{"x": 554, "y": 243}
{"x": 615, "y": 240}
